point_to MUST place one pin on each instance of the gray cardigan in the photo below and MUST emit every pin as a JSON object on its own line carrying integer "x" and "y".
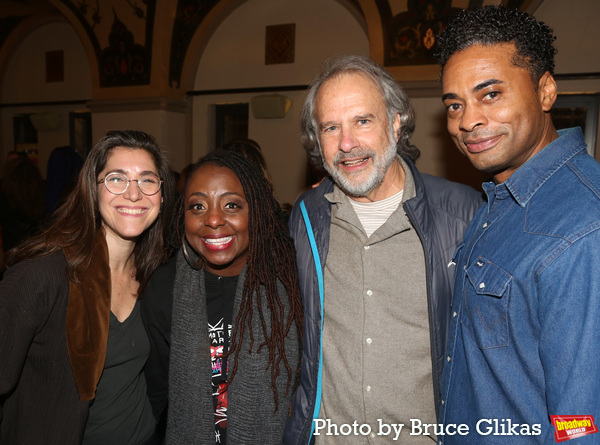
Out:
{"x": 251, "y": 417}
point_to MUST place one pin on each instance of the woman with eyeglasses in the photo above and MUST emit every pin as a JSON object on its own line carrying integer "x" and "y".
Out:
{"x": 72, "y": 343}
{"x": 225, "y": 315}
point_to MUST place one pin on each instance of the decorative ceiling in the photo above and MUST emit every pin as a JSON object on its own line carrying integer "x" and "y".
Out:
{"x": 121, "y": 31}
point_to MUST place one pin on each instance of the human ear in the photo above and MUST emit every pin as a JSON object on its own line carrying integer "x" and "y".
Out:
{"x": 396, "y": 125}
{"x": 547, "y": 91}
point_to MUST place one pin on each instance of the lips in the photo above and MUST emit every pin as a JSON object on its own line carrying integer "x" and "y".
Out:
{"x": 353, "y": 160}
{"x": 132, "y": 211}
{"x": 353, "y": 164}
{"x": 218, "y": 243}
{"x": 477, "y": 145}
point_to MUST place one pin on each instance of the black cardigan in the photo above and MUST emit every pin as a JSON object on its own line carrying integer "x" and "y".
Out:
{"x": 38, "y": 395}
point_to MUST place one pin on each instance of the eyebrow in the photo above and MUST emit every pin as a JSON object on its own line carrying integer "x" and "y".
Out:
{"x": 123, "y": 172}
{"x": 358, "y": 117}
{"x": 476, "y": 89}
{"x": 223, "y": 195}
{"x": 324, "y": 125}
{"x": 486, "y": 84}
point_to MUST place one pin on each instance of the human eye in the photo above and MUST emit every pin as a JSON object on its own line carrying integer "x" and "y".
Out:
{"x": 149, "y": 179}
{"x": 452, "y": 107}
{"x": 233, "y": 206}
{"x": 492, "y": 95}
{"x": 329, "y": 128}
{"x": 116, "y": 178}
{"x": 196, "y": 207}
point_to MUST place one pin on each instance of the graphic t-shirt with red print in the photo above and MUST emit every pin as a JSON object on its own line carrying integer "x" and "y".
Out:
{"x": 220, "y": 295}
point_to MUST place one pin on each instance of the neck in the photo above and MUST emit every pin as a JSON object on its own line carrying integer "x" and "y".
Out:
{"x": 548, "y": 135}
{"x": 120, "y": 254}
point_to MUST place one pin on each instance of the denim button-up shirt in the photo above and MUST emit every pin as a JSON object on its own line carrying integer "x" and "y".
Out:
{"x": 525, "y": 332}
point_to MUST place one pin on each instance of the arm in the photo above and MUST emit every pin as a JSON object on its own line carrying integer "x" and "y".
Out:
{"x": 29, "y": 291}
{"x": 569, "y": 292}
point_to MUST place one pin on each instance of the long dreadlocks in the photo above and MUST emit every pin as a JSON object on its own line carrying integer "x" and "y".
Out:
{"x": 271, "y": 258}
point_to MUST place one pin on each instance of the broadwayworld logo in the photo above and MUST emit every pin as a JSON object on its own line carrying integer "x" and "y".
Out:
{"x": 570, "y": 427}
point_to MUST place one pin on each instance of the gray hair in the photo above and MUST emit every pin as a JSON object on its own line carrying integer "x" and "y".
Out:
{"x": 396, "y": 101}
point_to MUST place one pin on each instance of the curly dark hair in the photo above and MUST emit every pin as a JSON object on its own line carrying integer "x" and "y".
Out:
{"x": 494, "y": 25}
{"x": 271, "y": 258}
{"x": 396, "y": 101}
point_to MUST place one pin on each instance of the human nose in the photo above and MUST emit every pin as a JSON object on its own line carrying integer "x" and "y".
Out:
{"x": 472, "y": 117}
{"x": 348, "y": 140}
{"x": 133, "y": 192}
{"x": 214, "y": 218}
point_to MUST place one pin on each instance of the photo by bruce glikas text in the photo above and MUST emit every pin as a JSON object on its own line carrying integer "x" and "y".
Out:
{"x": 483, "y": 427}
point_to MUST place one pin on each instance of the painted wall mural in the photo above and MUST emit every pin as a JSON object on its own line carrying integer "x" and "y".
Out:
{"x": 121, "y": 33}
{"x": 189, "y": 15}
{"x": 409, "y": 35}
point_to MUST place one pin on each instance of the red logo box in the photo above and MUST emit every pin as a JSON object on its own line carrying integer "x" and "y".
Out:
{"x": 570, "y": 427}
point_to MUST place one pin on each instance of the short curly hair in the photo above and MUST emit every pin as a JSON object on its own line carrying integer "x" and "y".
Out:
{"x": 494, "y": 25}
{"x": 396, "y": 101}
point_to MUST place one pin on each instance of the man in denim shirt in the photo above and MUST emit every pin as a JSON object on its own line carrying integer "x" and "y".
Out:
{"x": 524, "y": 337}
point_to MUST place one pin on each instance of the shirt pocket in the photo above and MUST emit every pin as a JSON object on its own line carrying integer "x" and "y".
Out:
{"x": 487, "y": 294}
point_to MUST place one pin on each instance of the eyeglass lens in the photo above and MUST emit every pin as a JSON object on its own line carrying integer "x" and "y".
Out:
{"x": 117, "y": 183}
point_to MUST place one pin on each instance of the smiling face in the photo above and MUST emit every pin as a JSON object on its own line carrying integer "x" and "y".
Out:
{"x": 495, "y": 115}
{"x": 216, "y": 219}
{"x": 356, "y": 141}
{"x": 128, "y": 215}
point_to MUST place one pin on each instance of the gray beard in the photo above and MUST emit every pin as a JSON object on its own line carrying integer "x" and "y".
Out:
{"x": 359, "y": 190}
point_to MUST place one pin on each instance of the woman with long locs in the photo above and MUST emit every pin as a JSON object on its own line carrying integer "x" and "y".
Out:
{"x": 224, "y": 316}
{"x": 72, "y": 342}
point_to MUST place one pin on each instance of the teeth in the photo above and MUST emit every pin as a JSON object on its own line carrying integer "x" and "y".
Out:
{"x": 132, "y": 211}
{"x": 350, "y": 163}
{"x": 217, "y": 241}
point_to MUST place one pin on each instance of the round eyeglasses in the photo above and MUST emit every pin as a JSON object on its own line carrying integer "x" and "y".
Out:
{"x": 117, "y": 183}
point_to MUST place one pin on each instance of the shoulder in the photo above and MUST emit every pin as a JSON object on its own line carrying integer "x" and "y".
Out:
{"x": 159, "y": 290}
{"x": 165, "y": 272}
{"x": 573, "y": 192}
{"x": 41, "y": 271}
{"x": 453, "y": 198}
{"x": 316, "y": 196}
{"x": 34, "y": 287}
{"x": 444, "y": 188}
{"x": 587, "y": 171}
{"x": 315, "y": 203}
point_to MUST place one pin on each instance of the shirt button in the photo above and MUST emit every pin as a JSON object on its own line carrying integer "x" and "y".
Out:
{"x": 484, "y": 225}
{"x": 368, "y": 388}
{"x": 443, "y": 402}
{"x": 481, "y": 285}
{"x": 367, "y": 247}
{"x": 369, "y": 340}
{"x": 448, "y": 358}
{"x": 454, "y": 314}
{"x": 369, "y": 292}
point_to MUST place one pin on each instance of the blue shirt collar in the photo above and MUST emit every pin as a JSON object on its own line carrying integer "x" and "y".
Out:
{"x": 524, "y": 182}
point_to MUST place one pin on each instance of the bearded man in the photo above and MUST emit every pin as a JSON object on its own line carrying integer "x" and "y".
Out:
{"x": 374, "y": 248}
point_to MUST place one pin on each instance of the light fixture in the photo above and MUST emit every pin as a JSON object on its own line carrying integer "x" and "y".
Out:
{"x": 45, "y": 121}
